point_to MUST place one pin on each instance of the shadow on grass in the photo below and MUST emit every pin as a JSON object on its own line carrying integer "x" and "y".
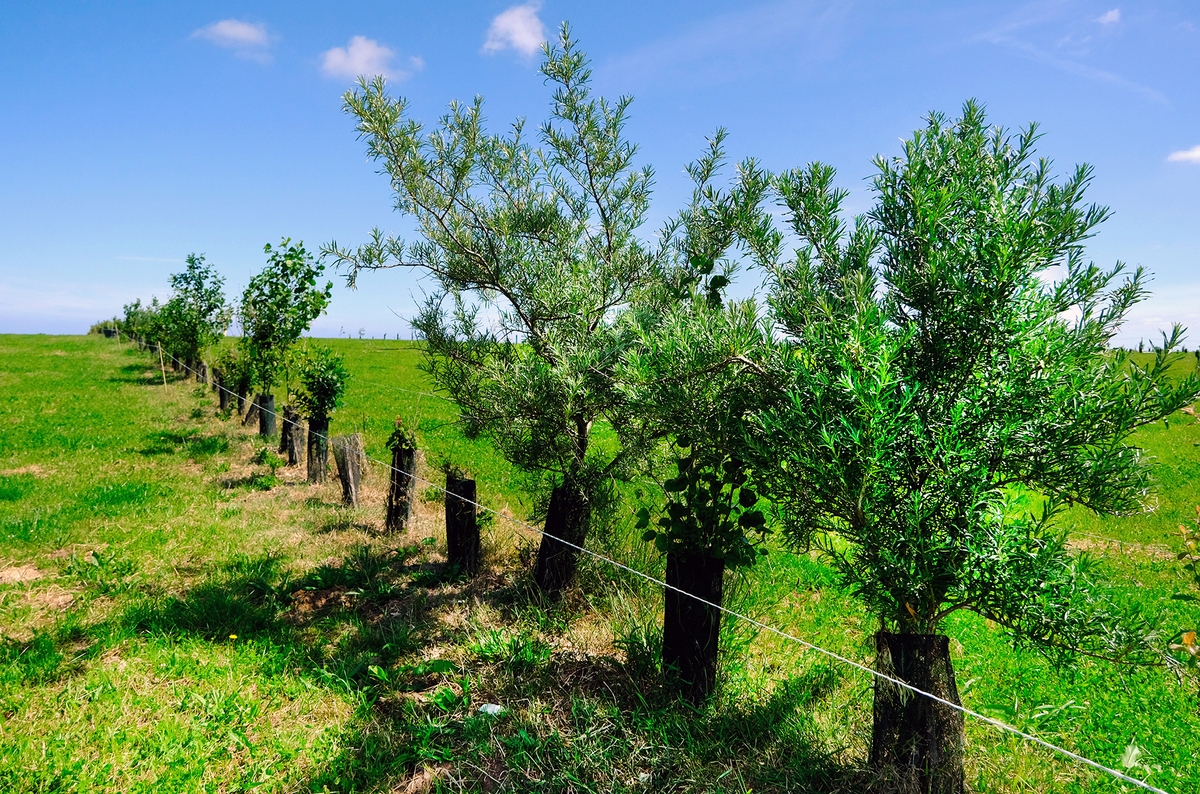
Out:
{"x": 145, "y": 374}
{"x": 190, "y": 443}
{"x": 255, "y": 481}
{"x": 573, "y": 721}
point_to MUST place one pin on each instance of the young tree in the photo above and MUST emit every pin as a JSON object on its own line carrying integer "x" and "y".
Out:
{"x": 692, "y": 373}
{"x": 277, "y": 307}
{"x": 923, "y": 390}
{"x": 685, "y": 376}
{"x": 322, "y": 380}
{"x": 535, "y": 252}
{"x": 196, "y": 311}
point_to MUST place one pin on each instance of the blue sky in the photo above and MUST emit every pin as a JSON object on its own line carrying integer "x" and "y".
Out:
{"x": 134, "y": 134}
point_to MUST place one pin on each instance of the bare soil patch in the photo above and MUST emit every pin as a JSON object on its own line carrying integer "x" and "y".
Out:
{"x": 20, "y": 573}
{"x": 37, "y": 471}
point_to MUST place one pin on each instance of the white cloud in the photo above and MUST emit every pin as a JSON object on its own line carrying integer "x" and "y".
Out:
{"x": 1110, "y": 17}
{"x": 519, "y": 28}
{"x": 248, "y": 40}
{"x": 366, "y": 56}
{"x": 1191, "y": 155}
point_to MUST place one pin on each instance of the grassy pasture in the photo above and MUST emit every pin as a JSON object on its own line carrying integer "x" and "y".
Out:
{"x": 174, "y": 620}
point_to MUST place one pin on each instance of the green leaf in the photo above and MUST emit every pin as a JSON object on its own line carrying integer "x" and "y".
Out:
{"x": 747, "y": 497}
{"x": 643, "y": 518}
{"x": 718, "y": 282}
{"x": 649, "y": 535}
{"x": 675, "y": 485}
{"x": 752, "y": 520}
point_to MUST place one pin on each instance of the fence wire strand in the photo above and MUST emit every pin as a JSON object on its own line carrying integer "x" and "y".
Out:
{"x": 881, "y": 677}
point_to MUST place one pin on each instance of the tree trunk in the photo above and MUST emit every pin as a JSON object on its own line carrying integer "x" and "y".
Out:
{"x": 400, "y": 487}
{"x": 348, "y": 454}
{"x": 266, "y": 415}
{"x": 294, "y": 429}
{"x": 318, "y": 448}
{"x": 462, "y": 527}
{"x": 917, "y": 740}
{"x": 692, "y": 630}
{"x": 568, "y": 518}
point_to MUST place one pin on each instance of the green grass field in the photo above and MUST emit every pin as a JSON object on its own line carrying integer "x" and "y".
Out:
{"x": 174, "y": 619}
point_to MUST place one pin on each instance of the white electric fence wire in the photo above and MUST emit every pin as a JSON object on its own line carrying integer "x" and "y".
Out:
{"x": 779, "y": 632}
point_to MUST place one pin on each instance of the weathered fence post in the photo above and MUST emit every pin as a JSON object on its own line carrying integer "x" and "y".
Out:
{"x": 293, "y": 435}
{"x": 318, "y": 448}
{"x": 401, "y": 484}
{"x": 201, "y": 372}
{"x": 266, "y": 415}
{"x": 251, "y": 415}
{"x": 349, "y": 455}
{"x": 462, "y": 526}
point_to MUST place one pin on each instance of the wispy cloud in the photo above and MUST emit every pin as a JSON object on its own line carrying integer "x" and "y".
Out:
{"x": 736, "y": 44}
{"x": 1013, "y": 35}
{"x": 369, "y": 57}
{"x": 1164, "y": 308}
{"x": 1191, "y": 155}
{"x": 246, "y": 39}
{"x": 519, "y": 28}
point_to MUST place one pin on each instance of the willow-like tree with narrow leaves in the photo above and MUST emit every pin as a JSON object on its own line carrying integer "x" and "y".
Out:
{"x": 534, "y": 248}
{"x": 946, "y": 352}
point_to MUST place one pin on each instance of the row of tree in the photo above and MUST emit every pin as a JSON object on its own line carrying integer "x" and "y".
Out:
{"x": 911, "y": 369}
{"x": 276, "y": 309}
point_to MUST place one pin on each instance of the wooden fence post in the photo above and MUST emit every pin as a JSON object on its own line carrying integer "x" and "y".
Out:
{"x": 401, "y": 486}
{"x": 462, "y": 526}
{"x": 349, "y": 455}
{"x": 293, "y": 432}
{"x": 318, "y": 448}
{"x": 251, "y": 412}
